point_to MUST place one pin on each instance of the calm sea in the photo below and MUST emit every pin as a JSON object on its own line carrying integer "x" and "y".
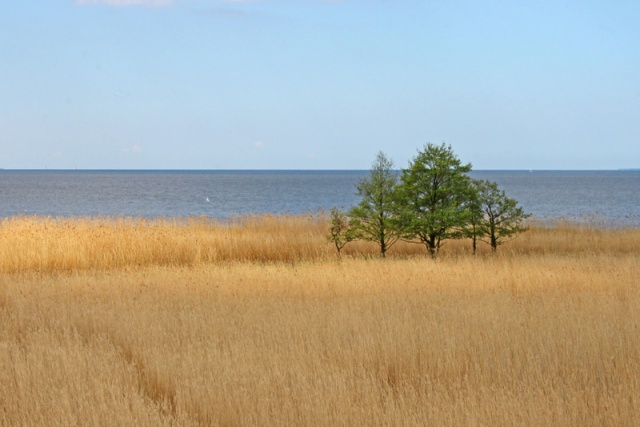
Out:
{"x": 612, "y": 196}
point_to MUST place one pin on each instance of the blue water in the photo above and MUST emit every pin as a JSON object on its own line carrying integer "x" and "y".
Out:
{"x": 609, "y": 196}
{"x": 612, "y": 196}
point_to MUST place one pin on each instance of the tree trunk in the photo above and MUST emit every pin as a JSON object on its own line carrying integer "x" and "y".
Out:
{"x": 432, "y": 246}
{"x": 474, "y": 239}
{"x": 494, "y": 238}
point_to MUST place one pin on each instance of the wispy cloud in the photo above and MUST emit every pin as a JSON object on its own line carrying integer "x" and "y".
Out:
{"x": 166, "y": 3}
{"x": 145, "y": 3}
{"x": 134, "y": 149}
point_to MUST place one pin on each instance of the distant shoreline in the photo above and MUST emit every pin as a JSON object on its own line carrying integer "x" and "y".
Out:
{"x": 288, "y": 171}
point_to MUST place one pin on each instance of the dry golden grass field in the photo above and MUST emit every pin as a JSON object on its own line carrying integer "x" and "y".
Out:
{"x": 122, "y": 322}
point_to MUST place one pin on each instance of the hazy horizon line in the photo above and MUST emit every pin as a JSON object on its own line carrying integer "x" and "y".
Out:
{"x": 283, "y": 170}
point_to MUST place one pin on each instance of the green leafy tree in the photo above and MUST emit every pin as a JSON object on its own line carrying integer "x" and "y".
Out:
{"x": 340, "y": 231}
{"x": 373, "y": 218}
{"x": 500, "y": 216}
{"x": 433, "y": 196}
{"x": 475, "y": 217}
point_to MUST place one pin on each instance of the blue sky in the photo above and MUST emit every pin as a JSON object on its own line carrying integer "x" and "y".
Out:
{"x": 312, "y": 84}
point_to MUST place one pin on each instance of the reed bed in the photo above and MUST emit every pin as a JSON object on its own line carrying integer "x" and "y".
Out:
{"x": 544, "y": 333}
{"x": 62, "y": 244}
{"x": 49, "y": 245}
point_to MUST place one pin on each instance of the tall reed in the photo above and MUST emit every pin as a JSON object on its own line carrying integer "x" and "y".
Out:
{"x": 512, "y": 340}
{"x": 47, "y": 245}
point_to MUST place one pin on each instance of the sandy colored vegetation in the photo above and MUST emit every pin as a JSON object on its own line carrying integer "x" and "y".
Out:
{"x": 196, "y": 323}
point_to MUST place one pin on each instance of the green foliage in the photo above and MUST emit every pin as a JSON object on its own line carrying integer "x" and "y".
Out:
{"x": 373, "y": 218}
{"x": 340, "y": 232}
{"x": 496, "y": 217}
{"x": 434, "y": 200}
{"x": 472, "y": 228}
{"x": 433, "y": 196}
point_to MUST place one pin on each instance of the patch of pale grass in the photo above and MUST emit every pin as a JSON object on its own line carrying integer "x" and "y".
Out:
{"x": 529, "y": 337}
{"x": 51, "y": 245}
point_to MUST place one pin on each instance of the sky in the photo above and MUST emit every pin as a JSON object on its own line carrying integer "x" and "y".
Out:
{"x": 318, "y": 84}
